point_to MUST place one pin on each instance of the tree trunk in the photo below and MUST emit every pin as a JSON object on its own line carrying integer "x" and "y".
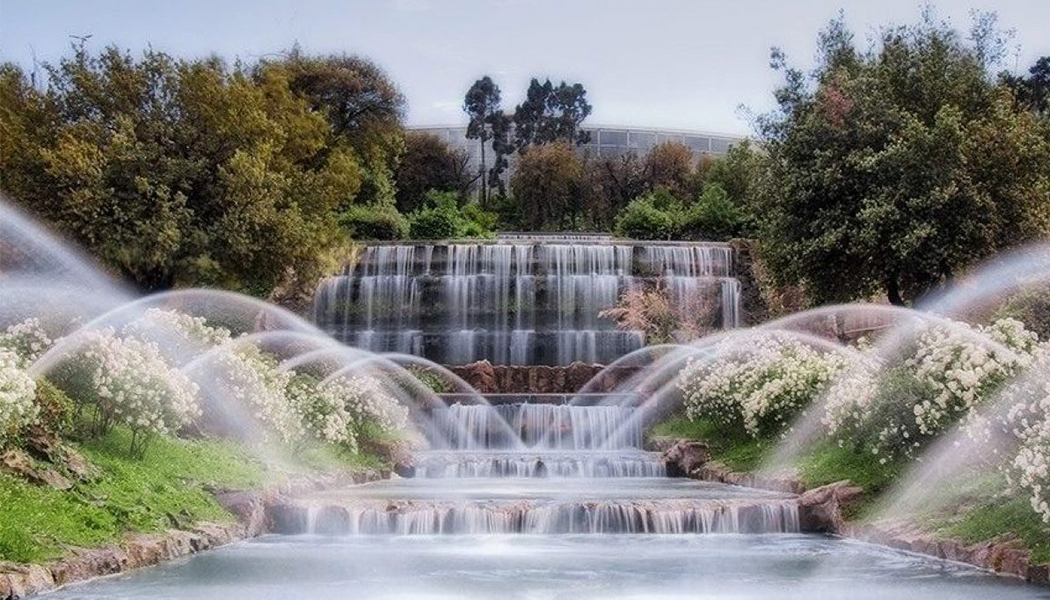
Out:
{"x": 893, "y": 290}
{"x": 484, "y": 177}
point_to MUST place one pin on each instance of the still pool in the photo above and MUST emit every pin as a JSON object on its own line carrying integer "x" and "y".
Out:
{"x": 542, "y": 567}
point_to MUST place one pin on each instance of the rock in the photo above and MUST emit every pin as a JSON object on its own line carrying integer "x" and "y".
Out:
{"x": 247, "y": 507}
{"x": 21, "y": 464}
{"x": 287, "y": 518}
{"x": 480, "y": 375}
{"x": 685, "y": 457}
{"x": 18, "y": 580}
{"x": 820, "y": 509}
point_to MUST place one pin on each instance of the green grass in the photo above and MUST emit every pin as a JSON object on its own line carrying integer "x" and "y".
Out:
{"x": 737, "y": 452}
{"x": 997, "y": 517}
{"x": 162, "y": 489}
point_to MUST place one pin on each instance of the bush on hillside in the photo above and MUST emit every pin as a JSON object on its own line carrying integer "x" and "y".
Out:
{"x": 374, "y": 223}
{"x": 714, "y": 216}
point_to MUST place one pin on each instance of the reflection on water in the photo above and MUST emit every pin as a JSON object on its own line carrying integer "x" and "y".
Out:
{"x": 552, "y": 567}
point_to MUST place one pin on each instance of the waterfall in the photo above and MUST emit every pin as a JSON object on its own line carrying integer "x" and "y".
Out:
{"x": 523, "y": 300}
{"x": 537, "y": 426}
{"x": 652, "y": 517}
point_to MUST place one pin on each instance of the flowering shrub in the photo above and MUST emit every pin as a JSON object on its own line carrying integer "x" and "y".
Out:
{"x": 182, "y": 336}
{"x": 322, "y": 410}
{"x": 27, "y": 340}
{"x": 17, "y": 390}
{"x": 760, "y": 391}
{"x": 893, "y": 407}
{"x": 127, "y": 381}
{"x": 1028, "y": 421}
{"x": 365, "y": 400}
{"x": 251, "y": 378}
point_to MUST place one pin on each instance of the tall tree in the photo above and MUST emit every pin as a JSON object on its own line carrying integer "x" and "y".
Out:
{"x": 1033, "y": 91}
{"x": 482, "y": 104}
{"x": 363, "y": 106}
{"x": 891, "y": 170}
{"x": 550, "y": 114}
{"x": 430, "y": 163}
{"x": 670, "y": 165}
{"x": 547, "y": 187}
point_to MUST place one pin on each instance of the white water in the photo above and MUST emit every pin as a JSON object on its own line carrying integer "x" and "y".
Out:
{"x": 514, "y": 303}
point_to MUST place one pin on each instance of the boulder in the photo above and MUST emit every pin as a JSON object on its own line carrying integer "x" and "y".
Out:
{"x": 684, "y": 457}
{"x": 820, "y": 509}
{"x": 19, "y": 580}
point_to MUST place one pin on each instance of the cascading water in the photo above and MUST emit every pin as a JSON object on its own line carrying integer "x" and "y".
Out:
{"x": 516, "y": 302}
{"x": 541, "y": 469}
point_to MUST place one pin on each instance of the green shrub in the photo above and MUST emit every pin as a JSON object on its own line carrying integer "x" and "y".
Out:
{"x": 714, "y": 216}
{"x": 1031, "y": 307}
{"x": 374, "y": 223}
{"x": 442, "y": 218}
{"x": 433, "y": 223}
{"x": 645, "y": 219}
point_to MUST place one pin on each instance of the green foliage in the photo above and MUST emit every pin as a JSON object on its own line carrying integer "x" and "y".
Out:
{"x": 551, "y": 114}
{"x": 713, "y": 216}
{"x": 443, "y": 219}
{"x": 654, "y": 216}
{"x": 892, "y": 170}
{"x": 56, "y": 409}
{"x": 434, "y": 381}
{"x": 1031, "y": 306}
{"x": 188, "y": 172}
{"x": 374, "y": 223}
{"x": 429, "y": 163}
{"x": 828, "y": 463}
{"x": 547, "y": 187}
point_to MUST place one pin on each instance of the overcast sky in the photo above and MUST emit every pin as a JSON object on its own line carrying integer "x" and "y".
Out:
{"x": 683, "y": 64}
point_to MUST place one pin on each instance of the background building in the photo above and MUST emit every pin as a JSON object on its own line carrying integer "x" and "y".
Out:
{"x": 606, "y": 141}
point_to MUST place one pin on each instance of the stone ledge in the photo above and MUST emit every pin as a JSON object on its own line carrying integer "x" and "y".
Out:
{"x": 143, "y": 550}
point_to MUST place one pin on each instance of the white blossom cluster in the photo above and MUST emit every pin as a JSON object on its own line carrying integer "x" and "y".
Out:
{"x": 1028, "y": 421}
{"x": 253, "y": 379}
{"x": 17, "y": 391}
{"x": 322, "y": 410}
{"x": 761, "y": 389}
{"x": 27, "y": 340}
{"x": 366, "y": 400}
{"x": 131, "y": 383}
{"x": 894, "y": 406}
{"x": 181, "y": 335}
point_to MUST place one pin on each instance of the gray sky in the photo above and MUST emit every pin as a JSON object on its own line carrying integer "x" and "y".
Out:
{"x": 685, "y": 64}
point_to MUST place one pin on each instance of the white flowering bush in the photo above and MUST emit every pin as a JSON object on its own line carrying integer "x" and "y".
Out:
{"x": 252, "y": 378}
{"x": 127, "y": 381}
{"x": 27, "y": 340}
{"x": 366, "y": 401}
{"x": 17, "y": 390}
{"x": 893, "y": 407}
{"x": 760, "y": 389}
{"x": 1027, "y": 423}
{"x": 322, "y": 410}
{"x": 182, "y": 336}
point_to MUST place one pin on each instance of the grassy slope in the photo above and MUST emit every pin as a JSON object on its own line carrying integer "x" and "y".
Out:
{"x": 164, "y": 488}
{"x": 986, "y": 515}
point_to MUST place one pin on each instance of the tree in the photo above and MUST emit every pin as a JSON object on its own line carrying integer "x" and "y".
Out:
{"x": 1032, "y": 92}
{"x": 181, "y": 172}
{"x": 670, "y": 165}
{"x": 363, "y": 106}
{"x": 547, "y": 187}
{"x": 551, "y": 114}
{"x": 482, "y": 105}
{"x": 893, "y": 169}
{"x": 429, "y": 163}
